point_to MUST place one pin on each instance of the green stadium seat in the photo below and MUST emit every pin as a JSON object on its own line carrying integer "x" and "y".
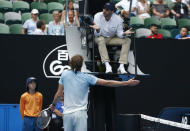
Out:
{"x": 149, "y": 21}
{"x": 184, "y": 22}
{"x": 174, "y": 32}
{"x": 4, "y": 29}
{"x": 46, "y": 17}
{"x": 142, "y": 33}
{"x": 12, "y": 18}
{"x": 5, "y": 6}
{"x": 120, "y": 8}
{"x": 151, "y": 1}
{"x": 25, "y": 16}
{"x": 40, "y": 6}
{"x": 21, "y": 6}
{"x": 62, "y": 2}
{"x": 115, "y": 1}
{"x": 136, "y": 22}
{"x": 168, "y": 23}
{"x": 1, "y": 18}
{"x": 170, "y": 3}
{"x": 165, "y": 33}
{"x": 15, "y": 29}
{"x": 54, "y": 6}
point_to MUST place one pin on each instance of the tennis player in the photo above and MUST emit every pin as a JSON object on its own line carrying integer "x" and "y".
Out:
{"x": 75, "y": 84}
{"x": 30, "y": 105}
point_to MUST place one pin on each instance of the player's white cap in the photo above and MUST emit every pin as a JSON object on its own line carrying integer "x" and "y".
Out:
{"x": 34, "y": 11}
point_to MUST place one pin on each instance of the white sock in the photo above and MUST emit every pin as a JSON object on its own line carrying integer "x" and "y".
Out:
{"x": 107, "y": 65}
{"x": 121, "y": 66}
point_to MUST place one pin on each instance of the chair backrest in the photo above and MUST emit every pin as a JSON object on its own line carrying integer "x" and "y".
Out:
{"x": 1, "y": 18}
{"x": 12, "y": 18}
{"x": 149, "y": 21}
{"x": 21, "y": 6}
{"x": 142, "y": 32}
{"x": 174, "y": 32}
{"x": 5, "y": 6}
{"x": 62, "y": 2}
{"x": 136, "y": 22}
{"x": 25, "y": 16}
{"x": 151, "y": 1}
{"x": 115, "y": 1}
{"x": 40, "y": 6}
{"x": 4, "y": 29}
{"x": 170, "y": 3}
{"x": 15, "y": 29}
{"x": 168, "y": 23}
{"x": 46, "y": 17}
{"x": 184, "y": 22}
{"x": 54, "y": 6}
{"x": 165, "y": 33}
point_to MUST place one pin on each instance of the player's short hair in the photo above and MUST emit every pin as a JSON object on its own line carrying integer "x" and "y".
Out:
{"x": 76, "y": 63}
{"x": 55, "y": 12}
{"x": 153, "y": 25}
{"x": 40, "y": 23}
{"x": 185, "y": 28}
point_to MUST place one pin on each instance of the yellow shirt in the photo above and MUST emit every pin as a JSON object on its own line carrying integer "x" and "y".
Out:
{"x": 31, "y": 104}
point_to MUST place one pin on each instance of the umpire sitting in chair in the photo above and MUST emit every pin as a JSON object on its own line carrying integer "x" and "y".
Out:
{"x": 109, "y": 30}
{"x": 57, "y": 116}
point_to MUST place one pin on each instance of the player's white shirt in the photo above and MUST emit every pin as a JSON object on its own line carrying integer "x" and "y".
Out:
{"x": 30, "y": 26}
{"x": 39, "y": 32}
{"x": 109, "y": 28}
{"x": 126, "y": 3}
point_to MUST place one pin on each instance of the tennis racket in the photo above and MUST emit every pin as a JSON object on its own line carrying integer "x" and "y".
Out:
{"x": 45, "y": 116}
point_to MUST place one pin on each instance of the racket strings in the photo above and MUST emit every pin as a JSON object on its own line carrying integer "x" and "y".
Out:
{"x": 44, "y": 119}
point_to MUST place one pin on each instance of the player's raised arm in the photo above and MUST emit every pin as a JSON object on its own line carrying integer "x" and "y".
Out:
{"x": 113, "y": 83}
{"x": 59, "y": 91}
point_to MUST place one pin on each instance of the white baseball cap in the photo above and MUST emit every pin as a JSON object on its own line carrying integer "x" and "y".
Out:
{"x": 34, "y": 11}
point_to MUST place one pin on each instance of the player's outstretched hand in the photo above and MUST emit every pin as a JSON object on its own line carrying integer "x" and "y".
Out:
{"x": 129, "y": 31}
{"x": 95, "y": 27}
{"x": 133, "y": 82}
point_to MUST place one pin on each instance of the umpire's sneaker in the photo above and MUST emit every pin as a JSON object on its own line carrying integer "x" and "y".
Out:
{"x": 121, "y": 70}
{"x": 109, "y": 69}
